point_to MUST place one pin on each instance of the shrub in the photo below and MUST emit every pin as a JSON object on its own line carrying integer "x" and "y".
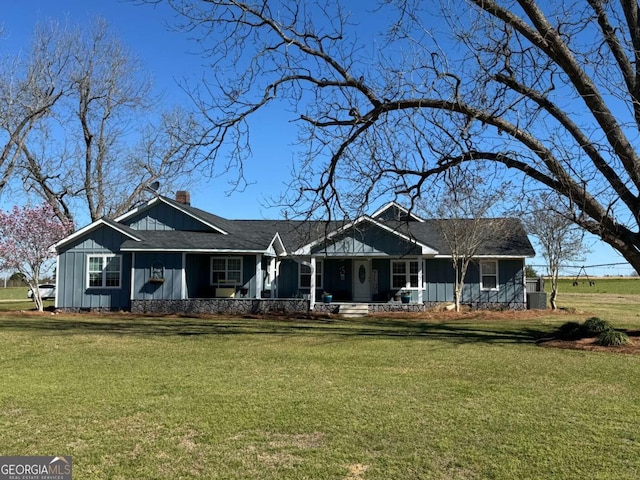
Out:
{"x": 612, "y": 338}
{"x": 569, "y": 331}
{"x": 594, "y": 326}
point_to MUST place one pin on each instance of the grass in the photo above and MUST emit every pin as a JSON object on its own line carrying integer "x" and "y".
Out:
{"x": 15, "y": 298}
{"x": 601, "y": 285}
{"x": 13, "y": 293}
{"x": 453, "y": 396}
{"x": 616, "y": 299}
{"x": 460, "y": 398}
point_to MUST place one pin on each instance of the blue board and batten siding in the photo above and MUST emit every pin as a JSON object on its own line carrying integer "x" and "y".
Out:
{"x": 170, "y": 264}
{"x": 72, "y": 283}
{"x": 162, "y": 217}
{"x": 368, "y": 240}
{"x": 440, "y": 277}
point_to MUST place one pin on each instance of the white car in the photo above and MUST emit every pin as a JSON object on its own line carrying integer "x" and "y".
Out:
{"x": 47, "y": 291}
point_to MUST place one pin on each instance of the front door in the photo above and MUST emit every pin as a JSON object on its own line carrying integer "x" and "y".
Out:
{"x": 361, "y": 281}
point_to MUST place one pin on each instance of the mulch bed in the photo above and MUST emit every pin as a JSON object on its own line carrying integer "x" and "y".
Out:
{"x": 633, "y": 348}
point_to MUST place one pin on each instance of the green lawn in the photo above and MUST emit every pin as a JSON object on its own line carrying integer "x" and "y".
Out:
{"x": 13, "y": 293}
{"x": 15, "y": 298}
{"x": 461, "y": 398}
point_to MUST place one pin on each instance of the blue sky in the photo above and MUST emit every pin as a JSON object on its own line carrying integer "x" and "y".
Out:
{"x": 170, "y": 56}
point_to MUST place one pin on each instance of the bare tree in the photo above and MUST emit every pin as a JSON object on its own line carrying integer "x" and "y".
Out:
{"x": 30, "y": 86}
{"x": 560, "y": 238}
{"x": 465, "y": 203}
{"x": 103, "y": 141}
{"x": 547, "y": 91}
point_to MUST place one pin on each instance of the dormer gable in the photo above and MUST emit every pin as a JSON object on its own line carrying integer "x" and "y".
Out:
{"x": 393, "y": 211}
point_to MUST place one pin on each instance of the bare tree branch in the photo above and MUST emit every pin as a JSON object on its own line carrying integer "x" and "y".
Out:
{"x": 547, "y": 91}
{"x": 81, "y": 129}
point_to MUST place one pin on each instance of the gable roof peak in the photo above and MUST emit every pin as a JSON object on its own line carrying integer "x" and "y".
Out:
{"x": 214, "y": 222}
{"x": 103, "y": 221}
{"x": 394, "y": 211}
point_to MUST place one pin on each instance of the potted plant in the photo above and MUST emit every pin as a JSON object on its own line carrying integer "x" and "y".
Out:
{"x": 405, "y": 297}
{"x": 327, "y": 297}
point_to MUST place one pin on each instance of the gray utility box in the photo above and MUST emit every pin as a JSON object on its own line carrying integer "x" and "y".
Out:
{"x": 535, "y": 284}
{"x": 537, "y": 300}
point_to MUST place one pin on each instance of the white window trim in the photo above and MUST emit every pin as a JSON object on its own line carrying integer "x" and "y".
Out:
{"x": 482, "y": 287}
{"x": 226, "y": 271}
{"x": 320, "y": 274}
{"x": 407, "y": 283}
{"x": 104, "y": 256}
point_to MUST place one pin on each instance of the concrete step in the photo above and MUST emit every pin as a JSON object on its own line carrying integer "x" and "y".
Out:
{"x": 353, "y": 310}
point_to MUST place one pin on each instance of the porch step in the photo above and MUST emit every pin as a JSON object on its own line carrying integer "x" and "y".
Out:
{"x": 353, "y": 310}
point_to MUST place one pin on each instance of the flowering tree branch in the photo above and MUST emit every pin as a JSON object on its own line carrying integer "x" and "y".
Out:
{"x": 27, "y": 236}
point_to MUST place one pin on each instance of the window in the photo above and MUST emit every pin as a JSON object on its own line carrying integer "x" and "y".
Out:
{"x": 304, "y": 275}
{"x": 226, "y": 271}
{"x": 404, "y": 274}
{"x": 104, "y": 271}
{"x": 489, "y": 275}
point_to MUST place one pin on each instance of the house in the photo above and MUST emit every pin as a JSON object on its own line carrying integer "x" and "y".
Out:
{"x": 168, "y": 256}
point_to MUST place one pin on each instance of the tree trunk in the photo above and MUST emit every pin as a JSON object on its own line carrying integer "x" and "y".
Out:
{"x": 37, "y": 299}
{"x": 553, "y": 298}
{"x": 456, "y": 297}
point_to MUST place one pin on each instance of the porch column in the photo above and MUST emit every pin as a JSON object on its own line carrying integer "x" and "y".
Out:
{"x": 524, "y": 282}
{"x": 312, "y": 293}
{"x": 133, "y": 277}
{"x": 183, "y": 277}
{"x": 420, "y": 278}
{"x": 272, "y": 277}
{"x": 258, "y": 276}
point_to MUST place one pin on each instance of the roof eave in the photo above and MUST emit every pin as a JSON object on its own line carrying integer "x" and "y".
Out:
{"x": 491, "y": 256}
{"x": 194, "y": 250}
{"x": 93, "y": 226}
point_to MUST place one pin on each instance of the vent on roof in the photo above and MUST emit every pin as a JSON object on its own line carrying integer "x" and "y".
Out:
{"x": 182, "y": 196}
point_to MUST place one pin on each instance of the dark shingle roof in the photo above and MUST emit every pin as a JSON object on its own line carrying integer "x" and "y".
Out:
{"x": 257, "y": 235}
{"x": 507, "y": 237}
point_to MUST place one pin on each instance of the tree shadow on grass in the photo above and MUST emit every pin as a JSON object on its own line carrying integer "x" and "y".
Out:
{"x": 454, "y": 331}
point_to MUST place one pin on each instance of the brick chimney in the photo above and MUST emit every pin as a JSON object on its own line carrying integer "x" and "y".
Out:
{"x": 182, "y": 196}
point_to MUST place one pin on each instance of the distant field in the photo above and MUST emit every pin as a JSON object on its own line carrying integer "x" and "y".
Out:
{"x": 13, "y": 293}
{"x": 608, "y": 285}
{"x": 15, "y": 298}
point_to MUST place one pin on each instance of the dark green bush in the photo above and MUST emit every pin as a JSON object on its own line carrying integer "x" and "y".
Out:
{"x": 594, "y": 326}
{"x": 569, "y": 331}
{"x": 612, "y": 338}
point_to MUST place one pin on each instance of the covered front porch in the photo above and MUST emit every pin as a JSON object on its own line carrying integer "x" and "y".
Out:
{"x": 365, "y": 261}
{"x": 367, "y": 280}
